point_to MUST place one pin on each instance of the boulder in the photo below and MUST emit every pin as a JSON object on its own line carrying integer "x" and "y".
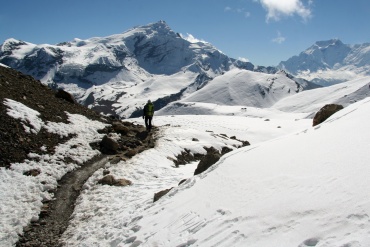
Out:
{"x": 325, "y": 112}
{"x": 182, "y": 181}
{"x": 120, "y": 128}
{"x": 107, "y": 180}
{"x": 158, "y": 195}
{"x": 207, "y": 161}
{"x": 33, "y": 172}
{"x": 65, "y": 95}
{"x": 110, "y": 180}
{"x": 122, "y": 182}
{"x": 132, "y": 152}
{"x": 109, "y": 145}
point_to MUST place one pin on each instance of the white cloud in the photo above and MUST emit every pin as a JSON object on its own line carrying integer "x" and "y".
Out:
{"x": 242, "y": 59}
{"x": 238, "y": 10}
{"x": 279, "y": 39}
{"x": 278, "y": 8}
{"x": 192, "y": 39}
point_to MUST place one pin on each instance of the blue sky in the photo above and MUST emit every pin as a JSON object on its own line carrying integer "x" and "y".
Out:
{"x": 263, "y": 32}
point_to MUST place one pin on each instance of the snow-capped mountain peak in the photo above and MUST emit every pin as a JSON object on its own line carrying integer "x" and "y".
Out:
{"x": 132, "y": 63}
{"x": 330, "y": 62}
{"x": 325, "y": 44}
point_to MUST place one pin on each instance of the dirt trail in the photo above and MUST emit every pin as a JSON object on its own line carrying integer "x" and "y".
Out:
{"x": 55, "y": 215}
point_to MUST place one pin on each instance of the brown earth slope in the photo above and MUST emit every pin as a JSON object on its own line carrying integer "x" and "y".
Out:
{"x": 15, "y": 143}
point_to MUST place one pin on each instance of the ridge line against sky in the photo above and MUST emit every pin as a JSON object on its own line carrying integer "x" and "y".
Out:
{"x": 263, "y": 32}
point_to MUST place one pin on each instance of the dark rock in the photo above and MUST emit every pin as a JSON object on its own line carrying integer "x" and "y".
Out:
{"x": 132, "y": 152}
{"x": 110, "y": 180}
{"x": 325, "y": 112}
{"x": 120, "y": 128}
{"x": 32, "y": 172}
{"x": 109, "y": 145}
{"x": 142, "y": 135}
{"x": 182, "y": 181}
{"x": 107, "y": 180}
{"x": 65, "y": 95}
{"x": 225, "y": 150}
{"x": 122, "y": 182}
{"x": 184, "y": 158}
{"x": 159, "y": 194}
{"x": 207, "y": 161}
{"x": 245, "y": 143}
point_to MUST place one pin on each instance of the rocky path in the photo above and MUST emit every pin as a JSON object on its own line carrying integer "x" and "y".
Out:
{"x": 55, "y": 215}
{"x": 123, "y": 140}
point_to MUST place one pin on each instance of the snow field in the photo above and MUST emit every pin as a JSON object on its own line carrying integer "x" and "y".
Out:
{"x": 110, "y": 216}
{"x": 307, "y": 188}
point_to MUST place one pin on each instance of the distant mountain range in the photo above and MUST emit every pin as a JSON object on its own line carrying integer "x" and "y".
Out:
{"x": 119, "y": 73}
{"x": 330, "y": 62}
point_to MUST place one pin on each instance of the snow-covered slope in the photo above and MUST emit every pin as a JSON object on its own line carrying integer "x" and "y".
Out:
{"x": 305, "y": 189}
{"x": 311, "y": 101}
{"x": 245, "y": 88}
{"x": 276, "y": 193}
{"x": 330, "y": 62}
{"x": 247, "y": 93}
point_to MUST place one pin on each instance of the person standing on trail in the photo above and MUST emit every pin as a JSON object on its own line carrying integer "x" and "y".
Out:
{"x": 148, "y": 115}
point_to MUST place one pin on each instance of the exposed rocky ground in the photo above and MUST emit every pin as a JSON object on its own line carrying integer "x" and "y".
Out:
{"x": 16, "y": 143}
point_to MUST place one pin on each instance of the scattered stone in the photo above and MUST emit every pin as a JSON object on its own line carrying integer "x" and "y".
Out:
{"x": 107, "y": 180}
{"x": 120, "y": 128}
{"x": 182, "y": 181}
{"x": 136, "y": 228}
{"x": 195, "y": 140}
{"x": 122, "y": 182}
{"x": 32, "y": 172}
{"x": 160, "y": 194}
{"x": 225, "y": 150}
{"x": 207, "y": 161}
{"x": 109, "y": 145}
{"x": 110, "y": 180}
{"x": 132, "y": 152}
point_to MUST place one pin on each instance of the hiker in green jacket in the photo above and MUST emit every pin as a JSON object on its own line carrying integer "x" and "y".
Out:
{"x": 148, "y": 115}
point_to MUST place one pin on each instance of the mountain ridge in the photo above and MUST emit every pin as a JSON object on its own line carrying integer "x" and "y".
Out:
{"x": 330, "y": 62}
{"x": 132, "y": 66}
{"x": 116, "y": 74}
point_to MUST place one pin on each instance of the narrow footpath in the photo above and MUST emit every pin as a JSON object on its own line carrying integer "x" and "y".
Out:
{"x": 55, "y": 215}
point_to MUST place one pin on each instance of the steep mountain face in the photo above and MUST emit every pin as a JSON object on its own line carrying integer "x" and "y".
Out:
{"x": 147, "y": 54}
{"x": 119, "y": 73}
{"x": 330, "y": 62}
